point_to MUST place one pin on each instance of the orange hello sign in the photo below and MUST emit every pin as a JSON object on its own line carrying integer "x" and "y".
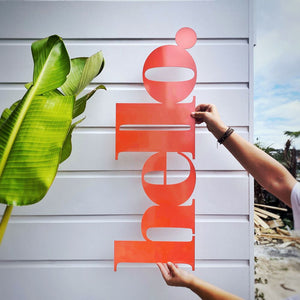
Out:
{"x": 168, "y": 211}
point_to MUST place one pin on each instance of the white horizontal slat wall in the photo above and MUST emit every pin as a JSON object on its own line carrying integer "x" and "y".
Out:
{"x": 62, "y": 247}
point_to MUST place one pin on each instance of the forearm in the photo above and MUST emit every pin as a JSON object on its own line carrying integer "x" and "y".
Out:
{"x": 175, "y": 276}
{"x": 269, "y": 173}
{"x": 207, "y": 291}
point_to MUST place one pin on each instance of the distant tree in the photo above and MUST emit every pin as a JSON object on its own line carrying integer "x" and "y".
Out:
{"x": 290, "y": 153}
{"x": 292, "y": 134}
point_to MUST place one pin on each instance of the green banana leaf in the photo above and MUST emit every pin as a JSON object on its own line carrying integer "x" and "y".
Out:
{"x": 80, "y": 104}
{"x": 67, "y": 146}
{"x": 32, "y": 136}
{"x": 83, "y": 71}
{"x": 6, "y": 113}
{"x": 35, "y": 132}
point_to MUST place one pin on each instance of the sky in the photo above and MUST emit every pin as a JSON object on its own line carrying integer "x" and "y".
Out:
{"x": 276, "y": 71}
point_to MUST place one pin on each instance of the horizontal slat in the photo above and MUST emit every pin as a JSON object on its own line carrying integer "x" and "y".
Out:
{"x": 122, "y": 193}
{"x": 125, "y": 19}
{"x": 42, "y": 238}
{"x": 95, "y": 150}
{"x": 215, "y": 61}
{"x": 78, "y": 281}
{"x": 101, "y": 109}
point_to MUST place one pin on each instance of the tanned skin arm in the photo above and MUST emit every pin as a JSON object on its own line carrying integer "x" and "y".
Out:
{"x": 267, "y": 171}
{"x": 175, "y": 276}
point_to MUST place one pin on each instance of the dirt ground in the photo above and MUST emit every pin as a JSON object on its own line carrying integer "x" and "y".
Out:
{"x": 277, "y": 272}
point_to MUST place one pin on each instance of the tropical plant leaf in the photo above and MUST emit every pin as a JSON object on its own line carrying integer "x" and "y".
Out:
{"x": 83, "y": 71}
{"x": 34, "y": 129}
{"x": 292, "y": 134}
{"x": 51, "y": 64}
{"x": 70, "y": 86}
{"x": 28, "y": 85}
{"x": 80, "y": 104}
{"x": 6, "y": 113}
{"x": 67, "y": 146}
{"x": 31, "y": 164}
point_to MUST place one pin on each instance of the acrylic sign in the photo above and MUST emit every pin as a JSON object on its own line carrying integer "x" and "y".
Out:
{"x": 168, "y": 210}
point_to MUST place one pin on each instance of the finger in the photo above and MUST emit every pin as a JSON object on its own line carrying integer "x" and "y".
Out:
{"x": 198, "y": 116}
{"x": 166, "y": 269}
{"x": 173, "y": 269}
{"x": 202, "y": 107}
{"x": 159, "y": 265}
{"x": 163, "y": 270}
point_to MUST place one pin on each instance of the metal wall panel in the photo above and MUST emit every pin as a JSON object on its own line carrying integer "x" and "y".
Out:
{"x": 216, "y": 62}
{"x": 62, "y": 247}
{"x": 123, "y": 19}
{"x": 121, "y": 192}
{"x": 94, "y": 150}
{"x": 94, "y": 280}
{"x": 101, "y": 108}
{"x": 92, "y": 238}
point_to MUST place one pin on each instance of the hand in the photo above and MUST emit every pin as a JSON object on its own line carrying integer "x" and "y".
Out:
{"x": 208, "y": 113}
{"x": 175, "y": 276}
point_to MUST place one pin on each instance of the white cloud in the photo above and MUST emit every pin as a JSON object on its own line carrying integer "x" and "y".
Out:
{"x": 277, "y": 53}
{"x": 271, "y": 121}
{"x": 277, "y": 71}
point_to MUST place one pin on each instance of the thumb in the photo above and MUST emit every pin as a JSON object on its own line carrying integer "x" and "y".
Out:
{"x": 198, "y": 114}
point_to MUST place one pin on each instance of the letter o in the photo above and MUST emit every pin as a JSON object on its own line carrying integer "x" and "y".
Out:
{"x": 169, "y": 56}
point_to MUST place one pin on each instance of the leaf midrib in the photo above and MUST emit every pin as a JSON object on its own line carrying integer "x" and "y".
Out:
{"x": 29, "y": 97}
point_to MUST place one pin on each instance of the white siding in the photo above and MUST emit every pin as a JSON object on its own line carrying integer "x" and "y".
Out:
{"x": 94, "y": 280}
{"x": 62, "y": 247}
{"x": 216, "y": 62}
{"x": 124, "y": 19}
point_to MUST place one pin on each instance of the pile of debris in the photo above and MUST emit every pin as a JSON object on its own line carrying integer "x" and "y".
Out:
{"x": 268, "y": 227}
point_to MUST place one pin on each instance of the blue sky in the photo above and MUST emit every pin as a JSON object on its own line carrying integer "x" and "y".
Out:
{"x": 277, "y": 71}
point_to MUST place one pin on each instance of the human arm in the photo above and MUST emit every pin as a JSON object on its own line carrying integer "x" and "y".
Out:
{"x": 175, "y": 276}
{"x": 267, "y": 171}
